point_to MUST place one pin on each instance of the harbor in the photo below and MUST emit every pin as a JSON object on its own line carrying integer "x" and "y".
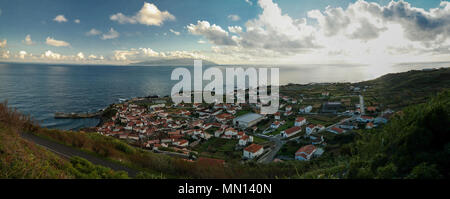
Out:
{"x": 60, "y": 115}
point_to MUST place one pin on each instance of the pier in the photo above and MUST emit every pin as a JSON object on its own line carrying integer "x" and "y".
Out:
{"x": 59, "y": 115}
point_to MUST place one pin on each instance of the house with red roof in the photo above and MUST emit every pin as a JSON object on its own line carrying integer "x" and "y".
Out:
{"x": 252, "y": 151}
{"x": 244, "y": 140}
{"x": 275, "y": 124}
{"x": 305, "y": 152}
{"x": 231, "y": 131}
{"x": 300, "y": 121}
{"x": 364, "y": 118}
{"x": 336, "y": 130}
{"x": 291, "y": 131}
{"x": 277, "y": 115}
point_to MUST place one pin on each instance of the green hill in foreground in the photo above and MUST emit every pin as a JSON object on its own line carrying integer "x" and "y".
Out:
{"x": 22, "y": 159}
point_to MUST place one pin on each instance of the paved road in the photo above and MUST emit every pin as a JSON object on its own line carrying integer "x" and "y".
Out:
{"x": 361, "y": 104}
{"x": 273, "y": 152}
{"x": 68, "y": 152}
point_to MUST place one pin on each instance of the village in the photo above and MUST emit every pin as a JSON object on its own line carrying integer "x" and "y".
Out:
{"x": 219, "y": 133}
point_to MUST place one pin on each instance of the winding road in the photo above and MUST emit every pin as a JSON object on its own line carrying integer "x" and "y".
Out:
{"x": 68, "y": 152}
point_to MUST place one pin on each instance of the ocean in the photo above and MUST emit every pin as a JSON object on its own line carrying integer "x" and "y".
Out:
{"x": 40, "y": 90}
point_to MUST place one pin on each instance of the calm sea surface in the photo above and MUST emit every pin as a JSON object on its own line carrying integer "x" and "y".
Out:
{"x": 43, "y": 89}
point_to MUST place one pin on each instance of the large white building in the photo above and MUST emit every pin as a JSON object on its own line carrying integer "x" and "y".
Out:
{"x": 247, "y": 120}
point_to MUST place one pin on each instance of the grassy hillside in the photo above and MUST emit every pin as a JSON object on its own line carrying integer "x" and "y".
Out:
{"x": 21, "y": 159}
{"x": 399, "y": 90}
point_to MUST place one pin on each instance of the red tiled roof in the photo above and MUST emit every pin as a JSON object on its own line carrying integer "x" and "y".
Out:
{"x": 308, "y": 149}
{"x": 339, "y": 130}
{"x": 292, "y": 130}
{"x": 299, "y": 119}
{"x": 253, "y": 148}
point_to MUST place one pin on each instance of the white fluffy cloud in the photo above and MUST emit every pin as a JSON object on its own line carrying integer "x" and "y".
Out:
{"x": 28, "y": 40}
{"x": 93, "y": 32}
{"x": 174, "y": 32}
{"x": 80, "y": 56}
{"x": 361, "y": 32}
{"x": 235, "y": 29}
{"x": 51, "y": 55}
{"x": 60, "y": 19}
{"x": 214, "y": 33}
{"x": 5, "y": 54}
{"x": 149, "y": 15}
{"x": 112, "y": 34}
{"x": 76, "y": 21}
{"x": 146, "y": 53}
{"x": 22, "y": 54}
{"x": 234, "y": 17}
{"x": 3, "y": 43}
{"x": 58, "y": 43}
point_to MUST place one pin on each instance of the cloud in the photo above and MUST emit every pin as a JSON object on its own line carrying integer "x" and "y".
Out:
{"x": 22, "y": 54}
{"x": 58, "y": 43}
{"x": 149, "y": 15}
{"x": 95, "y": 57}
{"x": 3, "y": 43}
{"x": 364, "y": 20}
{"x": 214, "y": 33}
{"x": 143, "y": 54}
{"x": 249, "y": 2}
{"x": 5, "y": 54}
{"x": 112, "y": 34}
{"x": 60, "y": 19}
{"x": 93, "y": 32}
{"x": 80, "y": 56}
{"x": 51, "y": 55}
{"x": 235, "y": 29}
{"x": 123, "y": 55}
{"x": 273, "y": 30}
{"x": 28, "y": 40}
{"x": 76, "y": 21}
{"x": 201, "y": 42}
{"x": 234, "y": 17}
{"x": 174, "y": 32}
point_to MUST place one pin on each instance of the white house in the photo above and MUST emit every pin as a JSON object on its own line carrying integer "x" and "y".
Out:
{"x": 244, "y": 140}
{"x": 252, "y": 151}
{"x": 307, "y": 109}
{"x": 312, "y": 128}
{"x": 300, "y": 121}
{"x": 181, "y": 143}
{"x": 275, "y": 125}
{"x": 277, "y": 115}
{"x": 288, "y": 108}
{"x": 291, "y": 131}
{"x": 305, "y": 152}
{"x": 364, "y": 118}
{"x": 231, "y": 132}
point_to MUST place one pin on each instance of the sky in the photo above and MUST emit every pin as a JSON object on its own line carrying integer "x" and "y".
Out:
{"x": 226, "y": 32}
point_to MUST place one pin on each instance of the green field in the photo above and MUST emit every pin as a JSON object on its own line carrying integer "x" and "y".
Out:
{"x": 219, "y": 148}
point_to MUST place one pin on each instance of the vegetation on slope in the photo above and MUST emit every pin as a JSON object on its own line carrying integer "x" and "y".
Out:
{"x": 414, "y": 144}
{"x": 398, "y": 90}
{"x": 21, "y": 159}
